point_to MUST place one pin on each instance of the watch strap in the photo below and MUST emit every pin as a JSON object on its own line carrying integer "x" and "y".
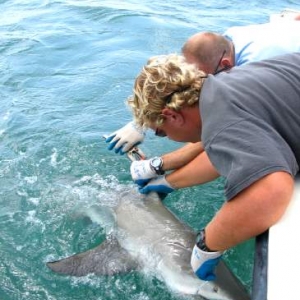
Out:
{"x": 200, "y": 241}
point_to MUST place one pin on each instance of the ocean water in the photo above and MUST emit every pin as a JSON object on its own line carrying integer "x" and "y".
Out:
{"x": 67, "y": 68}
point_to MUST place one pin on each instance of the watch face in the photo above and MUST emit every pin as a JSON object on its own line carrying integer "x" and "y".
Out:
{"x": 156, "y": 162}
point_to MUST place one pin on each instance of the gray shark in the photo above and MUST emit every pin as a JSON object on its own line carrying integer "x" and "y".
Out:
{"x": 149, "y": 235}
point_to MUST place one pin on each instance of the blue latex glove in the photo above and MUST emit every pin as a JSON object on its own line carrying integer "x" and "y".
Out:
{"x": 159, "y": 185}
{"x": 204, "y": 263}
{"x": 125, "y": 138}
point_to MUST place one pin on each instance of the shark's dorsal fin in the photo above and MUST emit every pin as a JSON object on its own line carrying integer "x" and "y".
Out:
{"x": 108, "y": 258}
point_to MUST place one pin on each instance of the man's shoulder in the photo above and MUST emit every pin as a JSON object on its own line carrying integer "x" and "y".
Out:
{"x": 244, "y": 28}
{"x": 260, "y": 28}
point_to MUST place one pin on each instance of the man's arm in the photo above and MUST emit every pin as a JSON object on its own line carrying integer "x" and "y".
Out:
{"x": 144, "y": 170}
{"x": 198, "y": 171}
{"x": 180, "y": 157}
{"x": 251, "y": 212}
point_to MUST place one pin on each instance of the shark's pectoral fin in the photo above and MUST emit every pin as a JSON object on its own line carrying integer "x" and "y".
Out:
{"x": 108, "y": 258}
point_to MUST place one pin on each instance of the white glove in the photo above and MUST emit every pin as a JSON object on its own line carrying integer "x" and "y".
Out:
{"x": 141, "y": 171}
{"x": 203, "y": 263}
{"x": 125, "y": 138}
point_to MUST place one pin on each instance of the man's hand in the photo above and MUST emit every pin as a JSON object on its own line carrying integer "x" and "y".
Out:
{"x": 203, "y": 263}
{"x": 141, "y": 172}
{"x": 125, "y": 138}
{"x": 159, "y": 185}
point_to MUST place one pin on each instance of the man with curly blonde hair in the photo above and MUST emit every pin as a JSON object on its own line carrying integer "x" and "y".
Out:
{"x": 240, "y": 117}
{"x": 214, "y": 53}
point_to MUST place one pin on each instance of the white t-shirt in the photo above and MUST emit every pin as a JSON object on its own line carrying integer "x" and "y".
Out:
{"x": 262, "y": 41}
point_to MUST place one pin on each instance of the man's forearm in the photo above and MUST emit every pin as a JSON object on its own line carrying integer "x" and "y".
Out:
{"x": 198, "y": 171}
{"x": 180, "y": 157}
{"x": 251, "y": 212}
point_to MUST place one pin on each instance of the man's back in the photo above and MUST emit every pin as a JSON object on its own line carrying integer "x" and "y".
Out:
{"x": 259, "y": 130}
{"x": 262, "y": 41}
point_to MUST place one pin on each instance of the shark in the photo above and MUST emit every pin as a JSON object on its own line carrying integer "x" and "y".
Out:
{"x": 149, "y": 235}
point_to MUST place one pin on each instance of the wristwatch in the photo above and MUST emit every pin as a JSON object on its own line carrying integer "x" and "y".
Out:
{"x": 200, "y": 241}
{"x": 156, "y": 164}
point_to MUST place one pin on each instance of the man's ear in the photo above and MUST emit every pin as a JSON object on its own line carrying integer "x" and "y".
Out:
{"x": 226, "y": 63}
{"x": 172, "y": 116}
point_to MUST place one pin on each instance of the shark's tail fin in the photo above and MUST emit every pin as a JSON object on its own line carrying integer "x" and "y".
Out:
{"x": 106, "y": 259}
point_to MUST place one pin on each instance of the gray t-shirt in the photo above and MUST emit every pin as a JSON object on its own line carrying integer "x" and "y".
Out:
{"x": 251, "y": 120}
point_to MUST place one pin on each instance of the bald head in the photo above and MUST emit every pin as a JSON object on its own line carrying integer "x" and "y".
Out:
{"x": 205, "y": 49}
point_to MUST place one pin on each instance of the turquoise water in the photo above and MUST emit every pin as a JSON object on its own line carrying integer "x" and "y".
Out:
{"x": 66, "y": 69}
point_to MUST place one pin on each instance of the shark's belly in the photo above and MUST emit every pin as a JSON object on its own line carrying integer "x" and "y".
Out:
{"x": 157, "y": 239}
{"x": 151, "y": 232}
{"x": 149, "y": 222}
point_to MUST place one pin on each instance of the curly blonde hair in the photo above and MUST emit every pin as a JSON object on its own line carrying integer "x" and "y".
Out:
{"x": 165, "y": 81}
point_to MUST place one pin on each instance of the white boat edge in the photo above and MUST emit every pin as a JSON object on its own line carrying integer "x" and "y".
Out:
{"x": 284, "y": 246}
